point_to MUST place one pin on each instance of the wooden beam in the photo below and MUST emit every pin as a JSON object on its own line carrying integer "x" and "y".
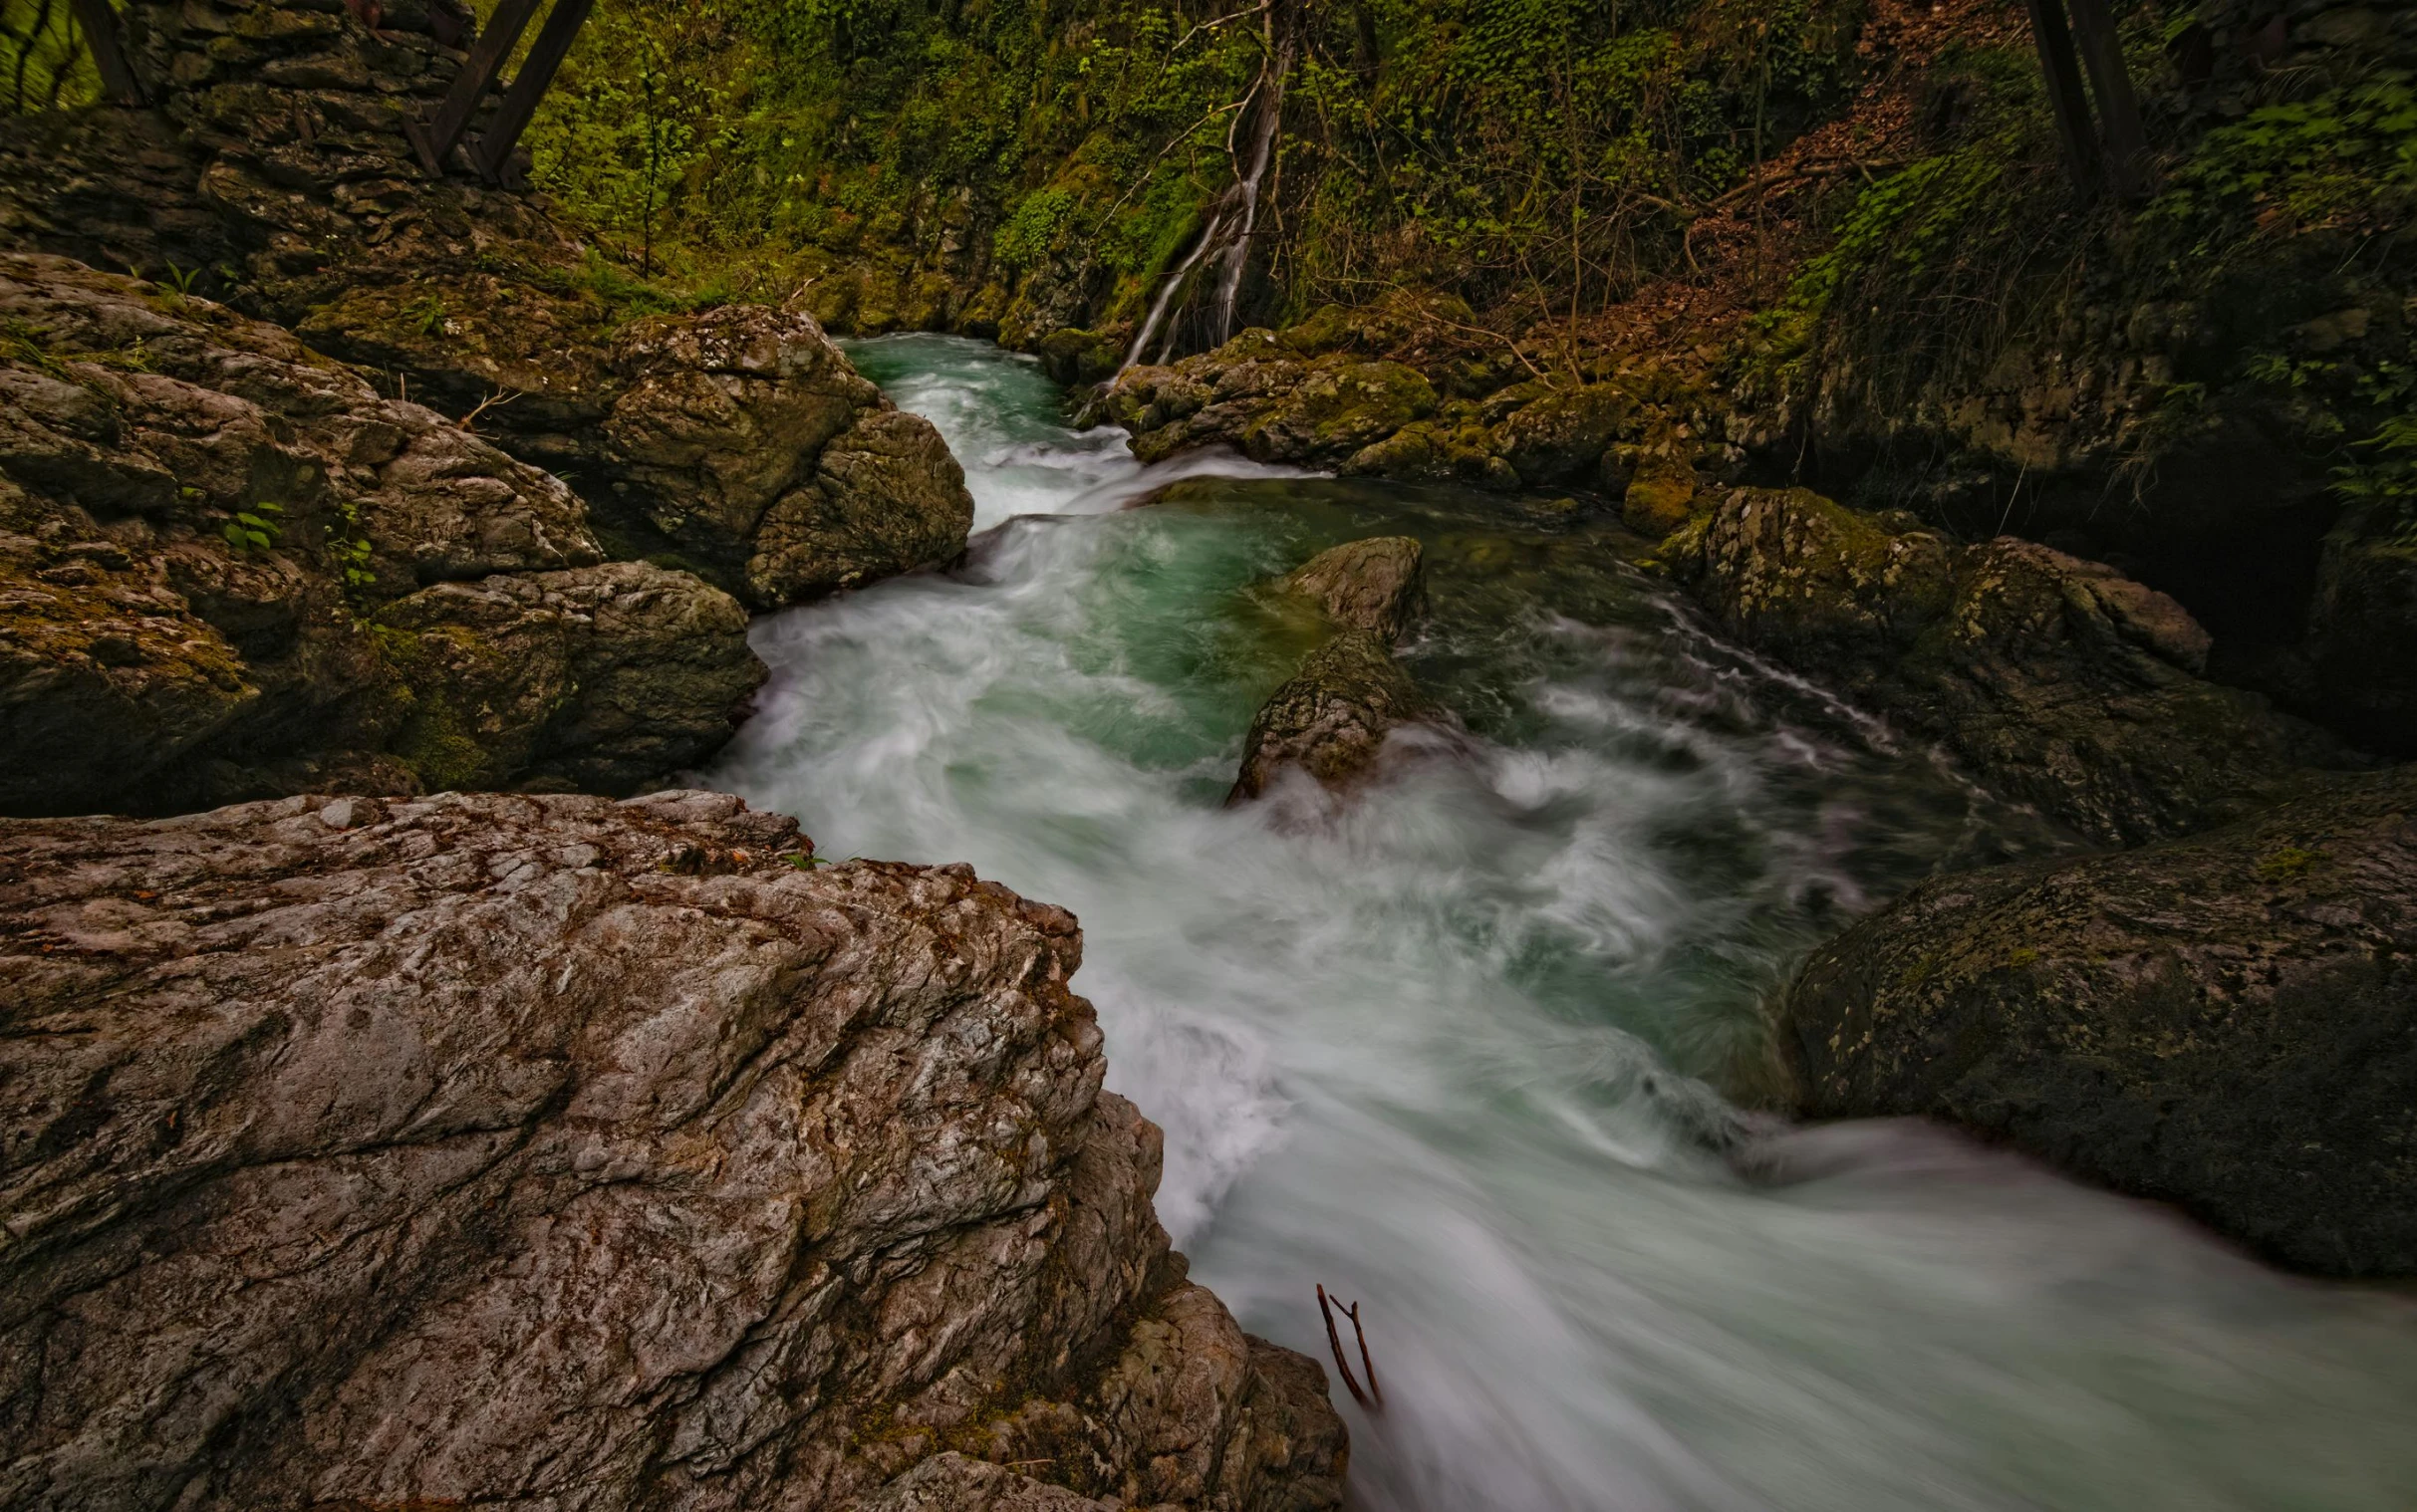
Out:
{"x": 100, "y": 22}
{"x": 529, "y": 86}
{"x": 434, "y": 139}
{"x": 2119, "y": 107}
{"x": 2062, "y": 70}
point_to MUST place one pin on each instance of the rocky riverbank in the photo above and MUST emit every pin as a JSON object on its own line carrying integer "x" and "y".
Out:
{"x": 415, "y": 503}
{"x": 615, "y": 1159}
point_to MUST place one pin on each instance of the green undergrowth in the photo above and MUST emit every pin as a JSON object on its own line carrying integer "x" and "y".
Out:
{"x": 2290, "y": 225}
{"x": 1929, "y": 267}
{"x": 44, "y": 64}
{"x": 1537, "y": 151}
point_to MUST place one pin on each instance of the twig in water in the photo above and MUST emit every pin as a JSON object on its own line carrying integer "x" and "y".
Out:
{"x": 1374, "y": 1397}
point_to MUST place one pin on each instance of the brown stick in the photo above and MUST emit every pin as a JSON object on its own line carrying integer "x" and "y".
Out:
{"x": 499, "y": 396}
{"x": 1374, "y": 1397}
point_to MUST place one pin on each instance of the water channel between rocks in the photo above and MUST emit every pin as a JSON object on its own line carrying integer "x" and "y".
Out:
{"x": 1452, "y": 1050}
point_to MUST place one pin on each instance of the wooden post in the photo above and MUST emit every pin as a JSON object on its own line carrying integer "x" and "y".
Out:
{"x": 100, "y": 22}
{"x": 2062, "y": 70}
{"x": 528, "y": 87}
{"x": 2118, "y": 108}
{"x": 434, "y": 139}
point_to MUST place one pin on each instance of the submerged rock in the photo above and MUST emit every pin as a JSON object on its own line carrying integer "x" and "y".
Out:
{"x": 232, "y": 569}
{"x": 2227, "y": 1022}
{"x": 1378, "y": 585}
{"x": 544, "y": 1151}
{"x": 1332, "y": 717}
{"x": 2059, "y": 680}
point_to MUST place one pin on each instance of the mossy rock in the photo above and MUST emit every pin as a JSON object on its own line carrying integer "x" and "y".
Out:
{"x": 2226, "y": 1022}
{"x": 1659, "y": 500}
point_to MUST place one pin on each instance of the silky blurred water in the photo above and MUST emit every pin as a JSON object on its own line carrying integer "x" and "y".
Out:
{"x": 1452, "y": 1049}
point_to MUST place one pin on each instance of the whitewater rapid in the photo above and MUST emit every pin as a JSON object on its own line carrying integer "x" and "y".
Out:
{"x": 1452, "y": 1050}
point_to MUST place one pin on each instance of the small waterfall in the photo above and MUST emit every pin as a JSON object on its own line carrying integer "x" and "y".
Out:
{"x": 1169, "y": 290}
{"x": 1263, "y": 156}
{"x": 1224, "y": 242}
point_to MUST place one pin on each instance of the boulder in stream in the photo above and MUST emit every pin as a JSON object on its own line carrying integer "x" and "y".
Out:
{"x": 543, "y": 1151}
{"x": 2227, "y": 1022}
{"x": 1331, "y": 719}
{"x": 1377, "y": 585}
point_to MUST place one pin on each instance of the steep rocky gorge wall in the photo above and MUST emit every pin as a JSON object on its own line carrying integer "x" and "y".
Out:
{"x": 543, "y": 1152}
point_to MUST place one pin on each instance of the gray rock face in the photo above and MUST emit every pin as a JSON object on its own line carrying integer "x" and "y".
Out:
{"x": 2060, "y": 681}
{"x": 2227, "y": 1022}
{"x": 952, "y": 1483}
{"x": 1332, "y": 718}
{"x": 548, "y": 1152}
{"x": 1378, "y": 586}
{"x": 410, "y": 608}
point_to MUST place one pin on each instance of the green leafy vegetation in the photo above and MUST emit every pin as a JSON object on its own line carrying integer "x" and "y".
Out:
{"x": 255, "y": 528}
{"x": 42, "y": 53}
{"x": 1495, "y": 148}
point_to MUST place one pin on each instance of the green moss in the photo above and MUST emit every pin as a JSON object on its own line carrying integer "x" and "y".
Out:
{"x": 2287, "y": 863}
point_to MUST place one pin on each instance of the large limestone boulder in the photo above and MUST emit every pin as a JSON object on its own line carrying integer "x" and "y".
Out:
{"x": 543, "y": 1152}
{"x": 232, "y": 569}
{"x": 2227, "y": 1022}
{"x": 1331, "y": 719}
{"x": 2060, "y": 681}
{"x": 1377, "y": 585}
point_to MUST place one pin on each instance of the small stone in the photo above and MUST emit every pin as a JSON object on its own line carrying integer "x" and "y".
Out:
{"x": 350, "y": 814}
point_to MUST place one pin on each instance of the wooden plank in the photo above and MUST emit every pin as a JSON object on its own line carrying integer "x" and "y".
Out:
{"x": 434, "y": 139}
{"x": 2062, "y": 70}
{"x": 100, "y": 22}
{"x": 529, "y": 86}
{"x": 2127, "y": 158}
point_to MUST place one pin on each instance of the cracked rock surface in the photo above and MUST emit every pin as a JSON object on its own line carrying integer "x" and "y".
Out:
{"x": 544, "y": 1151}
{"x": 407, "y": 608}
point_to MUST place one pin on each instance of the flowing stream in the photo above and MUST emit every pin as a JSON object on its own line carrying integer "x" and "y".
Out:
{"x": 1452, "y": 1049}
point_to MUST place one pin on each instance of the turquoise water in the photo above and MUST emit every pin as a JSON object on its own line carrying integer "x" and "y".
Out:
{"x": 1480, "y": 1048}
